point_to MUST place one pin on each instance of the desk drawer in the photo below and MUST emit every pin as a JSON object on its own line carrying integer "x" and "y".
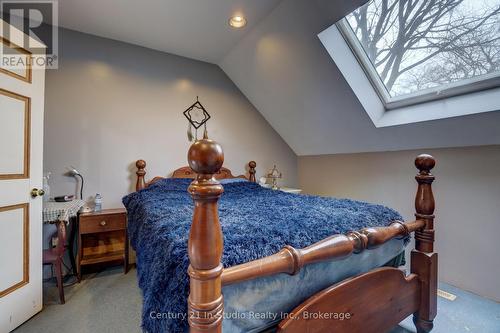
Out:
{"x": 102, "y": 223}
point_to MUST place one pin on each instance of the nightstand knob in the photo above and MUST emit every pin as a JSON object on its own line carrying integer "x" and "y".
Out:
{"x": 103, "y": 223}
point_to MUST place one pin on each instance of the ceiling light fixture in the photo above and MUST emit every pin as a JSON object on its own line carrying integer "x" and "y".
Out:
{"x": 237, "y": 21}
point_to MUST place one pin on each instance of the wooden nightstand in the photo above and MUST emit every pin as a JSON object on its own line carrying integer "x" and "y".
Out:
{"x": 102, "y": 237}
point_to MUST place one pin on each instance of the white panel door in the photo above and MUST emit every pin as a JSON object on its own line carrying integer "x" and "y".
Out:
{"x": 21, "y": 144}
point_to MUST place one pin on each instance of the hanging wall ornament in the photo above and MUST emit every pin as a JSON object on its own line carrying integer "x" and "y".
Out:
{"x": 197, "y": 117}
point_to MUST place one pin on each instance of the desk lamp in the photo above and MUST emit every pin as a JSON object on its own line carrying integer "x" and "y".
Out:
{"x": 75, "y": 173}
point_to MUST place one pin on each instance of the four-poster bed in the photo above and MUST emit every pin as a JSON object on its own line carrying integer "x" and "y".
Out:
{"x": 374, "y": 301}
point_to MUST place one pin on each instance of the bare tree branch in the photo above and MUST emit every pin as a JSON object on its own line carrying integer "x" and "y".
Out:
{"x": 450, "y": 40}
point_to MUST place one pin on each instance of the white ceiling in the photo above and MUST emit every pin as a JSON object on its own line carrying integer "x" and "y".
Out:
{"x": 195, "y": 29}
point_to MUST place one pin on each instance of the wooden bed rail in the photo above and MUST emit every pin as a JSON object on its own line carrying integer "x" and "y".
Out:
{"x": 290, "y": 260}
{"x": 205, "y": 247}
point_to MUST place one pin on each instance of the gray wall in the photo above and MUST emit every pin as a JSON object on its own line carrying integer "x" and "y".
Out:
{"x": 283, "y": 68}
{"x": 111, "y": 103}
{"x": 467, "y": 193}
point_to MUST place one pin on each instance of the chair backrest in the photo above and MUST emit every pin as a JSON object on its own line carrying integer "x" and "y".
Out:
{"x": 61, "y": 238}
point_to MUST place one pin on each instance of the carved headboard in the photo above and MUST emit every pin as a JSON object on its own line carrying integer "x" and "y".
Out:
{"x": 186, "y": 172}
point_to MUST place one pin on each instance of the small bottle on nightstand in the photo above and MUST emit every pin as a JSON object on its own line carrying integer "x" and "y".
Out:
{"x": 98, "y": 203}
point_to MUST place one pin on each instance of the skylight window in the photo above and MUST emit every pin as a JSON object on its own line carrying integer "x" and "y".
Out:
{"x": 415, "y": 51}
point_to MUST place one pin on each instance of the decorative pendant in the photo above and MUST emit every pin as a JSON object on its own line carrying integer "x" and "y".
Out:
{"x": 205, "y": 132}
{"x": 197, "y": 116}
{"x": 190, "y": 133}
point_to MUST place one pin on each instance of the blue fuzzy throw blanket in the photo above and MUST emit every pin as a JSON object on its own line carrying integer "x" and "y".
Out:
{"x": 256, "y": 222}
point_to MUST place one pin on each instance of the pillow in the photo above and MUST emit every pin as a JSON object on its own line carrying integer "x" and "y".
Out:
{"x": 232, "y": 180}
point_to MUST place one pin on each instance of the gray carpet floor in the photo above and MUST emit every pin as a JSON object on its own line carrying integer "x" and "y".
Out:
{"x": 109, "y": 302}
{"x": 105, "y": 302}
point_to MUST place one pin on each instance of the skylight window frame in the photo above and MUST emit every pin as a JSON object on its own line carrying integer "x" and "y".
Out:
{"x": 487, "y": 100}
{"x": 461, "y": 87}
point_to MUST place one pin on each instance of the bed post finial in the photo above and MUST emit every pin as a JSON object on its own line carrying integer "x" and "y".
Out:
{"x": 423, "y": 259}
{"x": 141, "y": 172}
{"x": 205, "y": 243}
{"x": 251, "y": 171}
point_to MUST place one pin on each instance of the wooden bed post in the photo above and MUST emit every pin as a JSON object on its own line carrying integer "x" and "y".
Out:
{"x": 140, "y": 184}
{"x": 423, "y": 258}
{"x": 251, "y": 171}
{"x": 205, "y": 244}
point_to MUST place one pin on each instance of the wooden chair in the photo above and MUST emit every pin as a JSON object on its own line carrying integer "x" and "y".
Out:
{"x": 54, "y": 256}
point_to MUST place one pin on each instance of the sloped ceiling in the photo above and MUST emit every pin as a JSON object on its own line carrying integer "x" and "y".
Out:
{"x": 195, "y": 29}
{"x": 279, "y": 63}
{"x": 284, "y": 70}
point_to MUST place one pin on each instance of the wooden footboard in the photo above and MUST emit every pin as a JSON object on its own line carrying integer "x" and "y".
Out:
{"x": 377, "y": 300}
{"x": 372, "y": 302}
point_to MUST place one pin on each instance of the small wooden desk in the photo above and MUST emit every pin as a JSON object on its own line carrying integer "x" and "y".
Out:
{"x": 103, "y": 238}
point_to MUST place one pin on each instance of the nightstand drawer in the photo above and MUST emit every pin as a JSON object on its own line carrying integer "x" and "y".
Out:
{"x": 102, "y": 223}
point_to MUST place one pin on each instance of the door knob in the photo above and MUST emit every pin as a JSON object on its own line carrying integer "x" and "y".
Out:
{"x": 37, "y": 192}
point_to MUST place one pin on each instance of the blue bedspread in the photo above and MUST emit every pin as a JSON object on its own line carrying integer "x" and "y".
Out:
{"x": 256, "y": 222}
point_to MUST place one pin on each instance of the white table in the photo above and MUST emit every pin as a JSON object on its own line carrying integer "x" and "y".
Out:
{"x": 284, "y": 189}
{"x": 61, "y": 211}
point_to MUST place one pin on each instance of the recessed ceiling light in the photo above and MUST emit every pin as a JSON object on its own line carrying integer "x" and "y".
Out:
{"x": 237, "y": 21}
